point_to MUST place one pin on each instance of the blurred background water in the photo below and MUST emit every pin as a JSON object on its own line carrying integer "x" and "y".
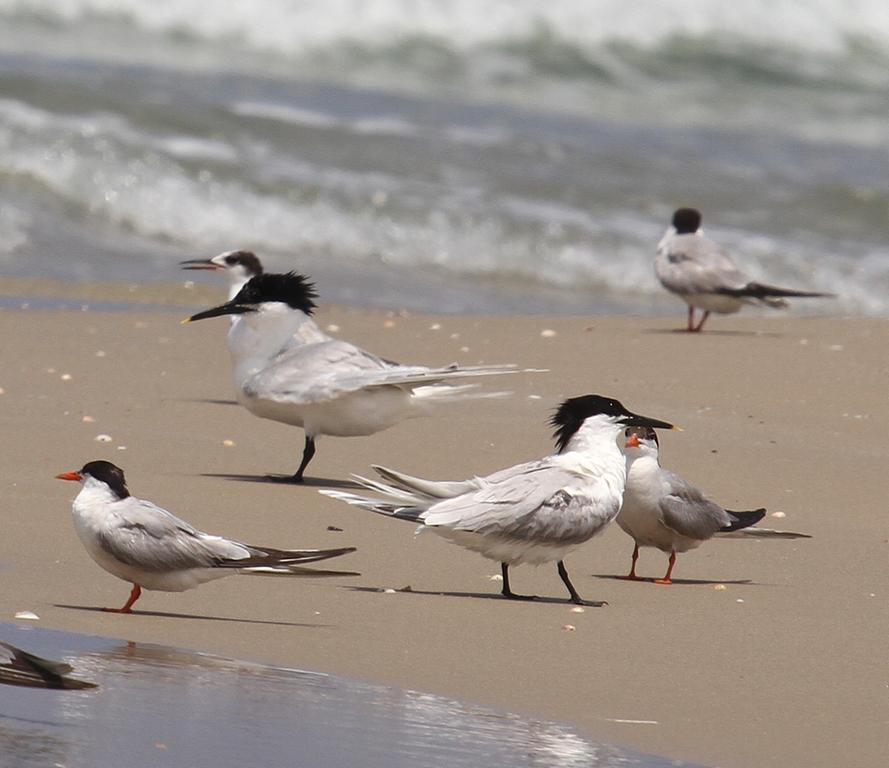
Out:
{"x": 450, "y": 155}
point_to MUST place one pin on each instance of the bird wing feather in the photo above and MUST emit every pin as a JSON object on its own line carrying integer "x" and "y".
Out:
{"x": 322, "y": 372}
{"x": 695, "y": 264}
{"x": 685, "y": 510}
{"x": 148, "y": 537}
{"x": 537, "y": 504}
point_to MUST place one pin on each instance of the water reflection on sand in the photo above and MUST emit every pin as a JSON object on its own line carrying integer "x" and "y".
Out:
{"x": 157, "y": 705}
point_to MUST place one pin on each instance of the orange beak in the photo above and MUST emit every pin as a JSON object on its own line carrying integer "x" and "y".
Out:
{"x": 70, "y": 476}
{"x": 632, "y": 442}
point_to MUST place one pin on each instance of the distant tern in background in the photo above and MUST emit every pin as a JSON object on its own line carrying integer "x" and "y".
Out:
{"x": 239, "y": 266}
{"x": 703, "y": 275}
{"x": 324, "y": 385}
{"x": 662, "y": 510}
{"x": 147, "y": 546}
{"x": 535, "y": 512}
{"x": 18, "y": 667}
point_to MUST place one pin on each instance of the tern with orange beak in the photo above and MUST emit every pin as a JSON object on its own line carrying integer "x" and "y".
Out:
{"x": 533, "y": 513}
{"x": 662, "y": 510}
{"x": 141, "y": 543}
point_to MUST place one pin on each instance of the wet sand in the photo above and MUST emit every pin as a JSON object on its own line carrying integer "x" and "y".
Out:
{"x": 785, "y": 666}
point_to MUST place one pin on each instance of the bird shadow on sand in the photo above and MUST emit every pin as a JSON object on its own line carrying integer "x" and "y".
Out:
{"x": 309, "y": 482}
{"x": 208, "y": 400}
{"x": 739, "y": 334}
{"x": 687, "y": 582}
{"x": 167, "y": 615}
{"x": 475, "y": 595}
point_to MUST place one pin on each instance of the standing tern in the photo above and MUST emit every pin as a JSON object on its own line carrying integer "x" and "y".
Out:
{"x": 703, "y": 275}
{"x": 324, "y": 385}
{"x": 147, "y": 546}
{"x": 18, "y": 667}
{"x": 662, "y": 510}
{"x": 535, "y": 512}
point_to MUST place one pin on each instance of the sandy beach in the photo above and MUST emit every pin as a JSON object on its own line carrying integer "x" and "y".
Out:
{"x": 784, "y": 666}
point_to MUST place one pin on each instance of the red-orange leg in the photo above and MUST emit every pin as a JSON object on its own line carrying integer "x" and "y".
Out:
{"x": 669, "y": 573}
{"x": 632, "y": 574}
{"x": 134, "y": 596}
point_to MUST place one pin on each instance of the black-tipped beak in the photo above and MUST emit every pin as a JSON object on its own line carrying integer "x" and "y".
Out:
{"x": 632, "y": 420}
{"x": 199, "y": 264}
{"x": 229, "y": 308}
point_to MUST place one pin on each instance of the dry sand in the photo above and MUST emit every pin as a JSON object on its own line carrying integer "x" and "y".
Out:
{"x": 786, "y": 666}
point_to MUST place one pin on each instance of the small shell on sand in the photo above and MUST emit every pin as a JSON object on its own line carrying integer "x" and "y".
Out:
{"x": 27, "y": 615}
{"x": 435, "y": 327}
{"x": 388, "y": 591}
{"x": 67, "y": 377}
{"x": 228, "y": 443}
{"x": 548, "y": 333}
{"x": 577, "y": 609}
{"x": 87, "y": 419}
{"x": 100, "y": 353}
{"x": 778, "y": 514}
{"x": 720, "y": 587}
{"x": 568, "y": 628}
{"x": 388, "y": 324}
{"x": 495, "y": 577}
{"x": 103, "y": 438}
{"x": 333, "y": 328}
{"x": 2, "y": 391}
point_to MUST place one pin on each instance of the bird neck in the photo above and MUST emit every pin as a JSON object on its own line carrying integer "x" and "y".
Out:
{"x": 641, "y": 463}
{"x": 262, "y": 335}
{"x": 593, "y": 449}
{"x": 93, "y": 495}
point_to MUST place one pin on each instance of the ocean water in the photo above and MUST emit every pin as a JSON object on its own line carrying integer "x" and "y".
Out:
{"x": 159, "y": 706}
{"x": 450, "y": 155}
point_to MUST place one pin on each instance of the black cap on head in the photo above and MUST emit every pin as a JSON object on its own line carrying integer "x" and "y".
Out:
{"x": 687, "y": 221}
{"x": 247, "y": 259}
{"x": 573, "y": 412}
{"x": 292, "y": 289}
{"x": 109, "y": 474}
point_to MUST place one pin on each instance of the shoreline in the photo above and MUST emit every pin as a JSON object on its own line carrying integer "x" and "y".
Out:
{"x": 778, "y": 411}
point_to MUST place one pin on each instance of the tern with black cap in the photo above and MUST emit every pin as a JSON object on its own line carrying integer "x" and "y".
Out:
{"x": 326, "y": 386}
{"x": 662, "y": 510}
{"x": 150, "y": 548}
{"x": 705, "y": 277}
{"x": 534, "y": 513}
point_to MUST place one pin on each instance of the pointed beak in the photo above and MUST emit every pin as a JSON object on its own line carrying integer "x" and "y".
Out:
{"x": 229, "y": 308}
{"x": 76, "y": 476}
{"x": 632, "y": 442}
{"x": 633, "y": 420}
{"x": 200, "y": 264}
